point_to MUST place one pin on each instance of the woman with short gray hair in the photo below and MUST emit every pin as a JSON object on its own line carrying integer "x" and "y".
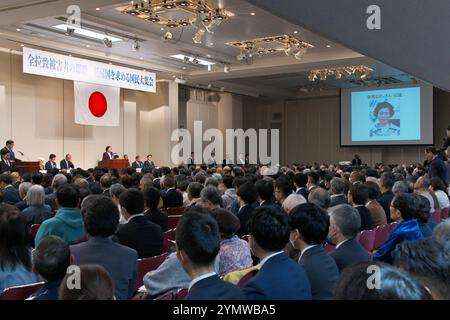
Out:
{"x": 37, "y": 210}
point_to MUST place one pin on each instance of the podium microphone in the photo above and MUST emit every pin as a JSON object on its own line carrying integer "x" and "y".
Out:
{"x": 21, "y": 153}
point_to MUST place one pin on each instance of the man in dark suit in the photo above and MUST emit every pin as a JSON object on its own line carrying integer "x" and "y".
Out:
{"x": 313, "y": 181}
{"x": 300, "y": 181}
{"x": 66, "y": 163}
{"x": 138, "y": 233}
{"x": 101, "y": 218}
{"x": 149, "y": 163}
{"x": 172, "y": 198}
{"x": 436, "y": 167}
{"x": 386, "y": 183}
{"x": 191, "y": 160}
{"x": 265, "y": 190}
{"x": 198, "y": 243}
{"x": 247, "y": 196}
{"x": 108, "y": 154}
{"x": 51, "y": 163}
{"x": 105, "y": 183}
{"x": 345, "y": 224}
{"x": 137, "y": 163}
{"x": 309, "y": 225}
{"x": 357, "y": 197}
{"x": 6, "y": 165}
{"x": 9, "y": 145}
{"x": 279, "y": 277}
{"x": 356, "y": 161}
{"x": 337, "y": 192}
{"x": 9, "y": 193}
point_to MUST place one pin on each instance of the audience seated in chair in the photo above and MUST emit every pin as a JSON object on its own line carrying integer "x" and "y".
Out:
{"x": 15, "y": 253}
{"x": 37, "y": 211}
{"x": 138, "y": 232}
{"x": 402, "y": 209}
{"x": 101, "y": 218}
{"x": 23, "y": 189}
{"x": 309, "y": 229}
{"x": 279, "y": 277}
{"x": 357, "y": 197}
{"x": 152, "y": 198}
{"x": 198, "y": 243}
{"x": 50, "y": 261}
{"x": 10, "y": 194}
{"x": 428, "y": 262}
{"x": 345, "y": 224}
{"x": 67, "y": 223}
{"x": 376, "y": 210}
{"x": 95, "y": 284}
{"x": 385, "y": 283}
{"x": 234, "y": 252}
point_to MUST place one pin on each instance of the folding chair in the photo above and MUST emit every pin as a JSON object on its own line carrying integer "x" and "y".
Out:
{"x": 20, "y": 292}
{"x": 148, "y": 264}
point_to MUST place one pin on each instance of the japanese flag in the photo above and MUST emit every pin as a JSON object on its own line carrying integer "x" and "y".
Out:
{"x": 96, "y": 105}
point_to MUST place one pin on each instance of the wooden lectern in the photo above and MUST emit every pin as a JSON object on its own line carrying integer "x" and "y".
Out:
{"x": 114, "y": 164}
{"x": 27, "y": 166}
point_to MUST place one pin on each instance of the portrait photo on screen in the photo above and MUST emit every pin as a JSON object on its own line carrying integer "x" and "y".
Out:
{"x": 391, "y": 115}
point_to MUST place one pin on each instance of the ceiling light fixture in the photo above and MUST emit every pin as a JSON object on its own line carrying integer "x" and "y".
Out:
{"x": 226, "y": 68}
{"x": 358, "y": 72}
{"x": 186, "y": 58}
{"x": 204, "y": 15}
{"x": 107, "y": 42}
{"x": 86, "y": 32}
{"x": 167, "y": 36}
{"x": 135, "y": 46}
{"x": 290, "y": 45}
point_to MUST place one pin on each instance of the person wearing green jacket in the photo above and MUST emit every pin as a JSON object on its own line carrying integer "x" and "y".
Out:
{"x": 67, "y": 223}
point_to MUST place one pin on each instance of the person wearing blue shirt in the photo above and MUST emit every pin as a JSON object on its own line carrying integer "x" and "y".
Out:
{"x": 402, "y": 209}
{"x": 15, "y": 253}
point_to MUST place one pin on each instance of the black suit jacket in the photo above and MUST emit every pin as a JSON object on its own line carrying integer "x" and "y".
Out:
{"x": 10, "y": 195}
{"x": 142, "y": 235}
{"x": 212, "y": 288}
{"x": 244, "y": 214}
{"x": 137, "y": 164}
{"x": 356, "y": 162}
{"x": 385, "y": 201}
{"x": 106, "y": 156}
{"x": 118, "y": 260}
{"x": 349, "y": 253}
{"x": 48, "y": 166}
{"x": 339, "y": 199}
{"x": 149, "y": 164}
{"x": 366, "y": 218}
{"x": 5, "y": 168}
{"x": 303, "y": 192}
{"x": 322, "y": 272}
{"x": 158, "y": 217}
{"x": 63, "y": 164}
{"x": 172, "y": 199}
{"x": 438, "y": 169}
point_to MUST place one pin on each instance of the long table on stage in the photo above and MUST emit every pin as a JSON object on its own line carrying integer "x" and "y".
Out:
{"x": 114, "y": 164}
{"x": 27, "y": 166}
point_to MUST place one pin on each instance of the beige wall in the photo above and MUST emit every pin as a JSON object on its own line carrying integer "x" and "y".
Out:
{"x": 38, "y": 114}
{"x": 310, "y": 130}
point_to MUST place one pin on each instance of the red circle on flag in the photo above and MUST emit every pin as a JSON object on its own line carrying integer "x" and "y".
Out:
{"x": 98, "y": 104}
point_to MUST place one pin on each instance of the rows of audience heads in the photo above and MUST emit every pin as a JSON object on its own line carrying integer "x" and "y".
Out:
{"x": 294, "y": 210}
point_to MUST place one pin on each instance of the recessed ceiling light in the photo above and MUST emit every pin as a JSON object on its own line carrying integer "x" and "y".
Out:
{"x": 22, "y": 45}
{"x": 184, "y": 68}
{"x": 86, "y": 32}
{"x": 162, "y": 29}
{"x": 328, "y": 46}
{"x": 18, "y": 29}
{"x": 98, "y": 9}
{"x": 88, "y": 46}
{"x": 252, "y": 14}
{"x": 141, "y": 58}
{"x": 70, "y": 55}
{"x": 192, "y": 59}
{"x": 211, "y": 43}
{"x": 208, "y": 56}
{"x": 173, "y": 76}
{"x": 295, "y": 31}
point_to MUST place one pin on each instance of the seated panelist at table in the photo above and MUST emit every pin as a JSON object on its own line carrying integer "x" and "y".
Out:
{"x": 108, "y": 154}
{"x": 51, "y": 163}
{"x": 67, "y": 163}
